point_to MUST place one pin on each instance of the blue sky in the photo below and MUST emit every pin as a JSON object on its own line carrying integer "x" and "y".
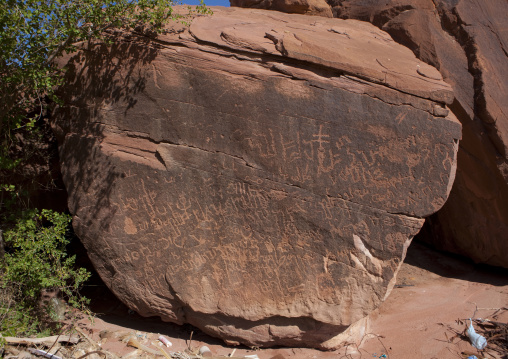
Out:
{"x": 207, "y": 2}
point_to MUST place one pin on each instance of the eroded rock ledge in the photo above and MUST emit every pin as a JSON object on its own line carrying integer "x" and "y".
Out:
{"x": 258, "y": 175}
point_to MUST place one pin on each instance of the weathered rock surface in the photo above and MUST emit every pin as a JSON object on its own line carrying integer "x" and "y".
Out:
{"x": 468, "y": 42}
{"x": 307, "y": 7}
{"x": 258, "y": 175}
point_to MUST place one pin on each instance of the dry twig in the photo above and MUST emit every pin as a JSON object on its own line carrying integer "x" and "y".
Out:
{"x": 46, "y": 341}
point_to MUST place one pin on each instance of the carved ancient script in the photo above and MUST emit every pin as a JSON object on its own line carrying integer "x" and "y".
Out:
{"x": 250, "y": 242}
{"x": 272, "y": 213}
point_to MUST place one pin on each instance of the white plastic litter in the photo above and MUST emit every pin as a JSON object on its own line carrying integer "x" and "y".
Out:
{"x": 477, "y": 340}
{"x": 204, "y": 351}
{"x": 165, "y": 341}
{"x": 43, "y": 353}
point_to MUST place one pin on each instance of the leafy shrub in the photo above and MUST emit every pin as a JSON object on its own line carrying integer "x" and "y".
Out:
{"x": 36, "y": 261}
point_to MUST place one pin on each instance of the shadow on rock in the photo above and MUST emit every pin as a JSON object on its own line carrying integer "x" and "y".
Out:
{"x": 97, "y": 77}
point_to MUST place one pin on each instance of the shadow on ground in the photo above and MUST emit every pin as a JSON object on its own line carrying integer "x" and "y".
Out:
{"x": 449, "y": 265}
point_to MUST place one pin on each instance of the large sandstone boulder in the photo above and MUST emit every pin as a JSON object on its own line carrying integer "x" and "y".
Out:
{"x": 258, "y": 174}
{"x": 468, "y": 42}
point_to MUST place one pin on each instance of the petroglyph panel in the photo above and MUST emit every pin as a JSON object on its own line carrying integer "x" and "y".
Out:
{"x": 248, "y": 247}
{"x": 331, "y": 142}
{"x": 261, "y": 207}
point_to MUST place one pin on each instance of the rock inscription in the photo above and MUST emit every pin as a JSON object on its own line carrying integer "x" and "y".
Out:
{"x": 265, "y": 208}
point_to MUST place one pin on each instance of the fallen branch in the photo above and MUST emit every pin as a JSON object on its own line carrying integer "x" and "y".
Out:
{"x": 164, "y": 353}
{"x": 134, "y": 343}
{"x": 47, "y": 341}
{"x": 94, "y": 344}
{"x": 94, "y": 352}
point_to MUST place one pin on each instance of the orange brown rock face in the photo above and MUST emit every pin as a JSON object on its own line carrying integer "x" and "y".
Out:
{"x": 261, "y": 190}
{"x": 468, "y": 42}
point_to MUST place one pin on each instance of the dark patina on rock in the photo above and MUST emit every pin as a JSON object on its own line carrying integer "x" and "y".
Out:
{"x": 255, "y": 181}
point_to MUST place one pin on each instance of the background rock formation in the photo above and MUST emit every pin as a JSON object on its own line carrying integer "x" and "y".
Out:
{"x": 258, "y": 175}
{"x": 468, "y": 42}
{"x": 307, "y": 7}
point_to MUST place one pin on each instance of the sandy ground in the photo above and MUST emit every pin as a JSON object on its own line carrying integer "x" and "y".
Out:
{"x": 420, "y": 318}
